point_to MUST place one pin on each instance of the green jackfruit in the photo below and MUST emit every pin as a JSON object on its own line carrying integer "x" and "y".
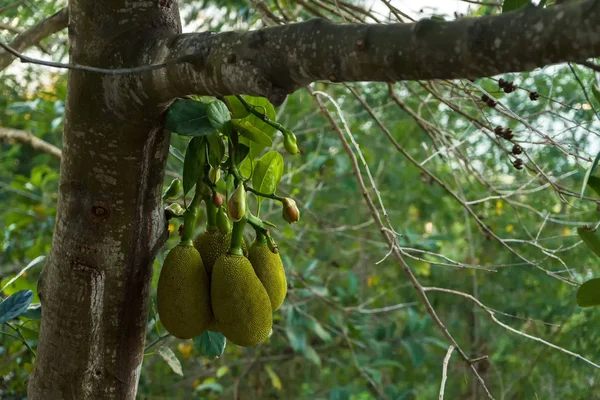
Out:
{"x": 241, "y": 304}
{"x": 183, "y": 293}
{"x": 211, "y": 245}
{"x": 269, "y": 270}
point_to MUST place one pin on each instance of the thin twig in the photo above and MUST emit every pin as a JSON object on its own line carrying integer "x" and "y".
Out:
{"x": 445, "y": 371}
{"x": 391, "y": 239}
{"x": 119, "y": 71}
{"x": 507, "y": 327}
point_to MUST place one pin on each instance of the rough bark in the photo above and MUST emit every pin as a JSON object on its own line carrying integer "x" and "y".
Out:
{"x": 109, "y": 224}
{"x": 275, "y": 61}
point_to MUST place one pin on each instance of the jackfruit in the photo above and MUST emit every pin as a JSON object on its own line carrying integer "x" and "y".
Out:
{"x": 183, "y": 293}
{"x": 211, "y": 245}
{"x": 241, "y": 304}
{"x": 269, "y": 270}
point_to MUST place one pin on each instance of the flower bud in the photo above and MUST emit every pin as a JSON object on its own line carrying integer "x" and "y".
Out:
{"x": 173, "y": 192}
{"x": 214, "y": 174}
{"x": 236, "y": 206}
{"x": 217, "y": 199}
{"x": 290, "y": 211}
{"x": 289, "y": 142}
{"x": 223, "y": 222}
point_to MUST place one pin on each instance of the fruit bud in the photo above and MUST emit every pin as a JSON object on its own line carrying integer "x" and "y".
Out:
{"x": 223, "y": 222}
{"x": 214, "y": 174}
{"x": 289, "y": 142}
{"x": 174, "y": 190}
{"x": 236, "y": 206}
{"x": 174, "y": 210}
{"x": 290, "y": 211}
{"x": 217, "y": 199}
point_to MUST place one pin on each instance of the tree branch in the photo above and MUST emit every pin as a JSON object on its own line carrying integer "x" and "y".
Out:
{"x": 275, "y": 61}
{"x": 31, "y": 140}
{"x": 34, "y": 35}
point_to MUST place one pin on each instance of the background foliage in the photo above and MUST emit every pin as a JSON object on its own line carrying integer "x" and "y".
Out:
{"x": 352, "y": 326}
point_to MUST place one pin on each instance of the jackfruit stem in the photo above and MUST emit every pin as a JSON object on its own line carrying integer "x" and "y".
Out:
{"x": 260, "y": 238}
{"x": 189, "y": 219}
{"x": 211, "y": 214}
{"x": 237, "y": 235}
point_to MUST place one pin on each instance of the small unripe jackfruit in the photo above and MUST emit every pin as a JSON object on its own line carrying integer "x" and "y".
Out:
{"x": 241, "y": 304}
{"x": 211, "y": 245}
{"x": 183, "y": 293}
{"x": 290, "y": 210}
{"x": 269, "y": 270}
{"x": 236, "y": 205}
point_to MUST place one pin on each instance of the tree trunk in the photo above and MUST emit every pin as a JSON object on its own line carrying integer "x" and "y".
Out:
{"x": 109, "y": 225}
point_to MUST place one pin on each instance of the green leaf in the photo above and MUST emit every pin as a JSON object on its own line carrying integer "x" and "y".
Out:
{"x": 318, "y": 329}
{"x": 594, "y": 184}
{"x": 214, "y": 386}
{"x": 176, "y": 153}
{"x": 32, "y": 264}
{"x": 312, "y": 356}
{"x": 267, "y": 173}
{"x": 339, "y": 393}
{"x": 590, "y": 172}
{"x": 512, "y": 5}
{"x": 590, "y": 238}
{"x": 275, "y": 381}
{"x": 216, "y": 149}
{"x": 374, "y": 373}
{"x": 218, "y": 116}
{"x": 34, "y": 311}
{"x": 262, "y": 105}
{"x": 193, "y": 165}
{"x": 210, "y": 344}
{"x": 189, "y": 118}
{"x": 588, "y": 294}
{"x": 596, "y": 92}
{"x": 297, "y": 338}
{"x": 171, "y": 359}
{"x": 15, "y": 305}
{"x": 249, "y": 131}
{"x": 245, "y": 167}
{"x": 237, "y": 108}
{"x": 241, "y": 152}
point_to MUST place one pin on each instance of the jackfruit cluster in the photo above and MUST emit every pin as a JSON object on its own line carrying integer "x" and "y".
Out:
{"x": 204, "y": 287}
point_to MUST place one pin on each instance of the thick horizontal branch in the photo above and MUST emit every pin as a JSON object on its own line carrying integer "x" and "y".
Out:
{"x": 275, "y": 61}
{"x": 35, "y": 34}
{"x": 24, "y": 137}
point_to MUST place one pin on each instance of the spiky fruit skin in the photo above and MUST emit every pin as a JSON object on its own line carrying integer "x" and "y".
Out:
{"x": 183, "y": 293}
{"x": 241, "y": 304}
{"x": 269, "y": 270}
{"x": 211, "y": 245}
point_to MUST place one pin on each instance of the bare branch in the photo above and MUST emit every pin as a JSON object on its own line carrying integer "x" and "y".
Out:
{"x": 445, "y": 371}
{"x": 492, "y": 316}
{"x": 390, "y": 238}
{"x": 34, "y": 35}
{"x": 31, "y": 140}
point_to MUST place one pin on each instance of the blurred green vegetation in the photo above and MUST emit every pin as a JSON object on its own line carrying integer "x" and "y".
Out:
{"x": 353, "y": 326}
